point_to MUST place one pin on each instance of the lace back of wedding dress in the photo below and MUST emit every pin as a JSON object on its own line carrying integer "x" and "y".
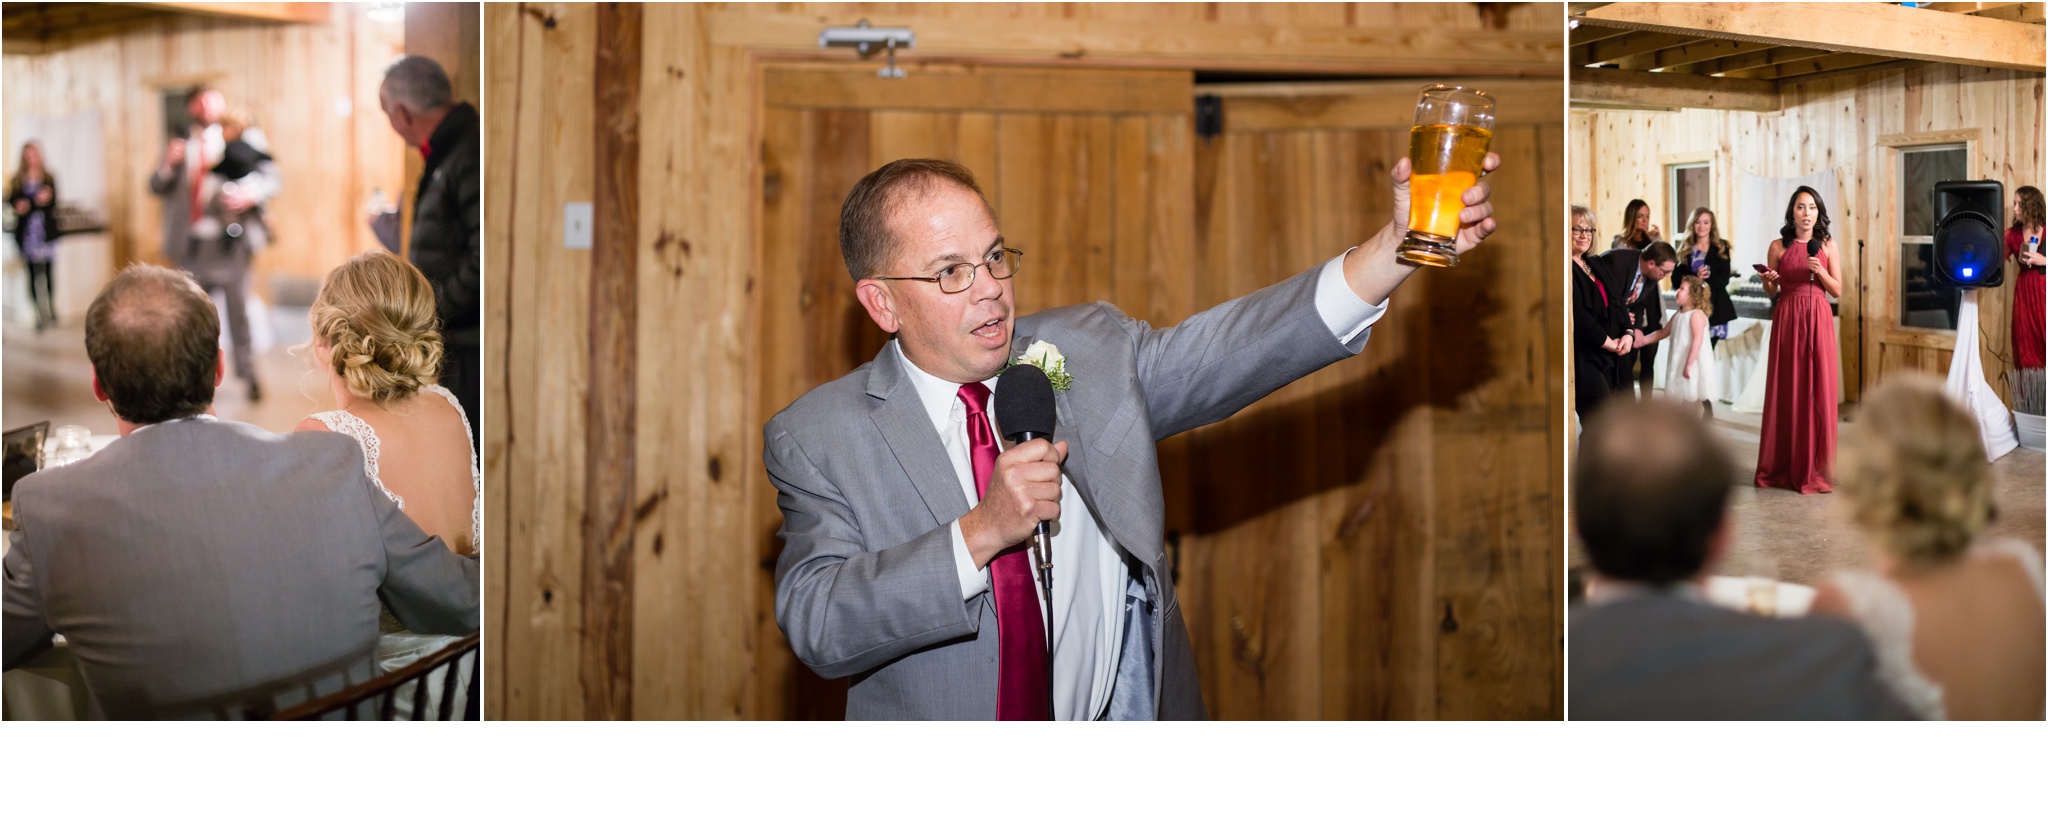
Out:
{"x": 1887, "y": 619}
{"x": 353, "y": 426}
{"x": 476, "y": 476}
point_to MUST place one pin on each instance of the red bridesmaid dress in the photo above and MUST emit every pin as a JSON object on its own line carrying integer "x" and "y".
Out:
{"x": 1798, "y": 444}
{"x": 2027, "y": 312}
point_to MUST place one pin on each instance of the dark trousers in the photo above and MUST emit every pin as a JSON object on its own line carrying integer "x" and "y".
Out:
{"x": 45, "y": 297}
{"x": 224, "y": 267}
{"x": 462, "y": 373}
{"x": 1592, "y": 382}
{"x": 1646, "y": 367}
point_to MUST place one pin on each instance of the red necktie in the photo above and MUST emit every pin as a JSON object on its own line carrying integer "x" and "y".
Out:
{"x": 1023, "y": 685}
{"x": 195, "y": 151}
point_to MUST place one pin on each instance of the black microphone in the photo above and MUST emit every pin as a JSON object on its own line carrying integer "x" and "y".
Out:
{"x": 1813, "y": 247}
{"x": 1024, "y": 406}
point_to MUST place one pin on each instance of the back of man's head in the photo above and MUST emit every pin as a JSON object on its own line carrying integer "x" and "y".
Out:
{"x": 1649, "y": 491}
{"x": 1659, "y": 253}
{"x": 154, "y": 342}
{"x": 865, "y": 240}
{"x": 418, "y": 84}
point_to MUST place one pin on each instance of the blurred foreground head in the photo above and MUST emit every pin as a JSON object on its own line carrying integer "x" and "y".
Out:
{"x": 1649, "y": 492}
{"x": 1914, "y": 473}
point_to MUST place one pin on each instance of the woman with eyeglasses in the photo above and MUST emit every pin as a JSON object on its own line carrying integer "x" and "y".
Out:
{"x": 1598, "y": 316}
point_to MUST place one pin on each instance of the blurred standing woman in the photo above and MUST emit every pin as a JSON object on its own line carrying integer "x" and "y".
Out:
{"x": 1797, "y": 449}
{"x": 2023, "y": 245}
{"x": 1637, "y": 232}
{"x": 32, "y": 194}
{"x": 1705, "y": 255}
{"x": 1597, "y": 339}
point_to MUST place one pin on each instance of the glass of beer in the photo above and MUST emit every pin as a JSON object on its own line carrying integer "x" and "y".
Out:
{"x": 1447, "y": 145}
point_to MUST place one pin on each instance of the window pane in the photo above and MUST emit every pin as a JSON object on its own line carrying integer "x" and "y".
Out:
{"x": 1922, "y": 170}
{"x": 1923, "y": 301}
{"x": 1690, "y": 190}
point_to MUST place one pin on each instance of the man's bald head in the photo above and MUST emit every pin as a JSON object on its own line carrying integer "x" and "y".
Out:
{"x": 1649, "y": 489}
{"x": 154, "y": 342}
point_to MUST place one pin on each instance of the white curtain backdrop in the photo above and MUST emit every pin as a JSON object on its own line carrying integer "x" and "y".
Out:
{"x": 1763, "y": 202}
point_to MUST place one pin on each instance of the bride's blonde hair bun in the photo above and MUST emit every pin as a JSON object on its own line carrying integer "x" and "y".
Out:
{"x": 376, "y": 313}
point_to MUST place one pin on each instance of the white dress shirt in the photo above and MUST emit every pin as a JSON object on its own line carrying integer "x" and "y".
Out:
{"x": 1089, "y": 567}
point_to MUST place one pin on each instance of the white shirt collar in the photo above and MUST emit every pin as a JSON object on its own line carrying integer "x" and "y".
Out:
{"x": 937, "y": 394}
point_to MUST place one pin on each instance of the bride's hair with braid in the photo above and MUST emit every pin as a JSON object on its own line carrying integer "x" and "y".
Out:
{"x": 376, "y": 315}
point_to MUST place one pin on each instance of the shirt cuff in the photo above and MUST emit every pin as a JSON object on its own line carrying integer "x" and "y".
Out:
{"x": 973, "y": 581}
{"x": 1347, "y": 314}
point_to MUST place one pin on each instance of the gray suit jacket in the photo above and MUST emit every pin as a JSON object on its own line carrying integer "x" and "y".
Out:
{"x": 1666, "y": 657}
{"x": 866, "y": 586}
{"x": 197, "y": 566}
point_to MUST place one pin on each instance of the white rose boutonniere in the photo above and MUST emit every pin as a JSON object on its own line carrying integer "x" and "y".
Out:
{"x": 1048, "y": 359}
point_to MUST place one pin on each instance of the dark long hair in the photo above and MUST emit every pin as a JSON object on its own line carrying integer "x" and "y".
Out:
{"x": 1820, "y": 225}
{"x": 2029, "y": 213}
{"x": 1631, "y": 235}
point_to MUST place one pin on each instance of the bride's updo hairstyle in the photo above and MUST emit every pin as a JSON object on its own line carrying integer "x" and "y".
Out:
{"x": 376, "y": 314}
{"x": 1914, "y": 474}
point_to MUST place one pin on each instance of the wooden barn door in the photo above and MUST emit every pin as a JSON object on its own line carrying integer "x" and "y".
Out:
{"x": 1382, "y": 539}
{"x": 1089, "y": 175}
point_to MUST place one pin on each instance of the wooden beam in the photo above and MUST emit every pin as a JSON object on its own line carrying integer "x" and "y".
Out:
{"x": 1785, "y": 85}
{"x": 1642, "y": 42}
{"x": 1767, "y": 57}
{"x": 271, "y": 12}
{"x": 609, "y": 405}
{"x": 1695, "y": 52}
{"x": 1831, "y": 62}
{"x": 1862, "y": 28}
{"x": 1583, "y": 33}
{"x": 1664, "y": 90}
{"x": 928, "y": 87}
{"x": 1378, "y": 104}
{"x": 2020, "y": 12}
{"x": 1390, "y": 50}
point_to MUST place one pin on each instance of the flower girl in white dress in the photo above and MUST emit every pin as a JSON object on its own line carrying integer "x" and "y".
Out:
{"x": 376, "y": 337}
{"x": 1689, "y": 371}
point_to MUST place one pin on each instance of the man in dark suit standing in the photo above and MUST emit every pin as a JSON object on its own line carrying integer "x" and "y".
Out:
{"x": 1634, "y": 275}
{"x": 446, "y": 220}
{"x": 1650, "y": 492}
{"x": 905, "y": 520}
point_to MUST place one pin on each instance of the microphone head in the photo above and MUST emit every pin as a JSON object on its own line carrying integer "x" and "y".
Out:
{"x": 1813, "y": 247}
{"x": 1024, "y": 403}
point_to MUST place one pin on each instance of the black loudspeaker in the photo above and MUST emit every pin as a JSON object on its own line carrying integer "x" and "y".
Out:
{"x": 1969, "y": 233}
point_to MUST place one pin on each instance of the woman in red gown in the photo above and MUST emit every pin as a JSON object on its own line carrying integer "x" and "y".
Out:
{"x": 1798, "y": 445}
{"x": 2023, "y": 243}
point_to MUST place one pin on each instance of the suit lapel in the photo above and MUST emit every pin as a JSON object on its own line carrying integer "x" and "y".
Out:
{"x": 1083, "y": 414}
{"x": 900, "y": 416}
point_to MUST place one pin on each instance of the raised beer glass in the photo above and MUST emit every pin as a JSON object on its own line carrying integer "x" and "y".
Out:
{"x": 1447, "y": 145}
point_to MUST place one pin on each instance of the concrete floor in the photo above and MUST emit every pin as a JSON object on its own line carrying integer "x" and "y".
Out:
{"x": 1802, "y": 538}
{"x": 47, "y": 377}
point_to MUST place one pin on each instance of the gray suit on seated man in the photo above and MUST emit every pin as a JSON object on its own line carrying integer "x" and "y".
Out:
{"x": 893, "y": 571}
{"x": 198, "y": 568}
{"x": 1650, "y": 489}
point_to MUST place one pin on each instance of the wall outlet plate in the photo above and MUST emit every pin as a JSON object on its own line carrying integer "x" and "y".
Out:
{"x": 576, "y": 225}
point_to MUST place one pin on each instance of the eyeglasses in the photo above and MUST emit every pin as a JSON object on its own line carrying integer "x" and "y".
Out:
{"x": 1581, "y": 230}
{"x": 1002, "y": 264}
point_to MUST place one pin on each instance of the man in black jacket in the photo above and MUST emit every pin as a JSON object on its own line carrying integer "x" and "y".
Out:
{"x": 446, "y": 227}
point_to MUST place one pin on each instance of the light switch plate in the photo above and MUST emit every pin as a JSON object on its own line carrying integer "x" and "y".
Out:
{"x": 576, "y": 220}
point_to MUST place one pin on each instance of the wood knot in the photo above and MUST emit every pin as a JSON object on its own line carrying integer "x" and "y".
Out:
{"x": 716, "y": 470}
{"x": 1450, "y": 622}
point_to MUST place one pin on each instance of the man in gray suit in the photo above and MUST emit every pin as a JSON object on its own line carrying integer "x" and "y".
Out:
{"x": 202, "y": 232}
{"x": 198, "y": 568}
{"x": 903, "y": 565}
{"x": 1651, "y": 488}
